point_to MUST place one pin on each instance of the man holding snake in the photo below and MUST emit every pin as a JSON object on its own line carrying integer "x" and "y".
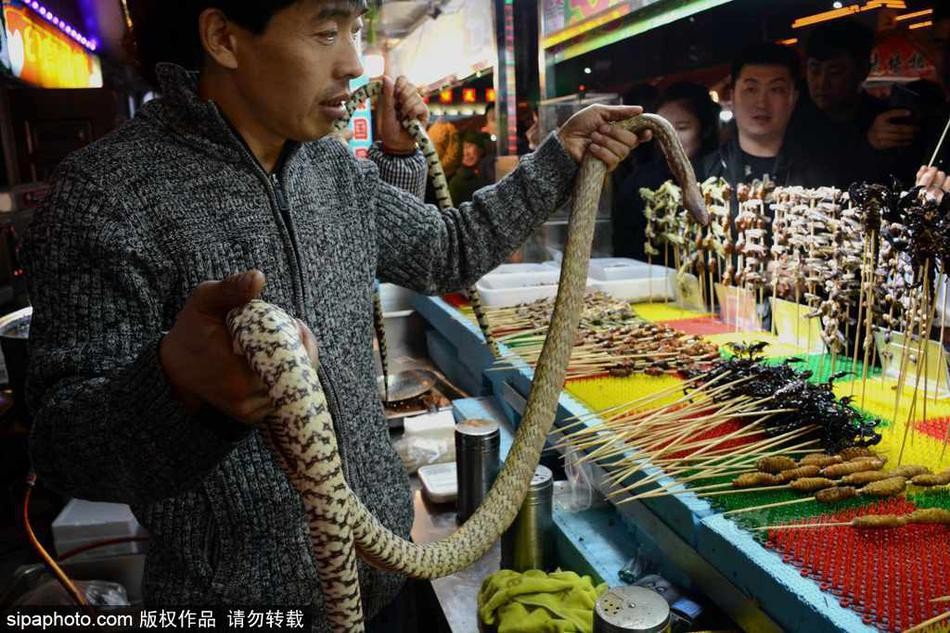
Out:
{"x": 224, "y": 189}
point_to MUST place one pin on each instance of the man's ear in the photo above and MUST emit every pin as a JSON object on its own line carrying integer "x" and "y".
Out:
{"x": 218, "y": 38}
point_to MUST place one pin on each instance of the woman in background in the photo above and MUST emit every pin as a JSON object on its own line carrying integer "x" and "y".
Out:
{"x": 695, "y": 117}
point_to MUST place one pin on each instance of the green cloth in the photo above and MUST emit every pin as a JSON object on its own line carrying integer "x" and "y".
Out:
{"x": 536, "y": 602}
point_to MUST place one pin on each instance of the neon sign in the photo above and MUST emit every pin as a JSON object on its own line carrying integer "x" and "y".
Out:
{"x": 43, "y": 55}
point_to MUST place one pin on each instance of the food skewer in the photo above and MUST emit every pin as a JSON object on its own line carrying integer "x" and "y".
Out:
{"x": 925, "y": 516}
{"x": 883, "y": 488}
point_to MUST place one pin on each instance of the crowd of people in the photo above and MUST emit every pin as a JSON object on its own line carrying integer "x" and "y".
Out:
{"x": 798, "y": 118}
{"x": 812, "y": 126}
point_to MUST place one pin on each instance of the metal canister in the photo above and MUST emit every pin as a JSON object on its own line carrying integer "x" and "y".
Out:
{"x": 529, "y": 542}
{"x": 477, "y": 445}
{"x": 631, "y": 610}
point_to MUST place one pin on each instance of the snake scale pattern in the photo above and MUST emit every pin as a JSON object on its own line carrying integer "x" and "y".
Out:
{"x": 303, "y": 437}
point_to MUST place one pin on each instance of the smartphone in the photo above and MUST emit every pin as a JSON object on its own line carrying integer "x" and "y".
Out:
{"x": 902, "y": 98}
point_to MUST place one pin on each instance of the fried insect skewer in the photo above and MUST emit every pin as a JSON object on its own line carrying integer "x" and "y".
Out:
{"x": 889, "y": 487}
{"x": 923, "y": 516}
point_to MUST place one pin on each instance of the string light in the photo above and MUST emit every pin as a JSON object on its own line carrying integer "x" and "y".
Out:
{"x": 90, "y": 43}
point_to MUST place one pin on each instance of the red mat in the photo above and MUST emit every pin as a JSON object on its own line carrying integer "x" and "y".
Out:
{"x": 887, "y": 576}
{"x": 936, "y": 427}
{"x": 700, "y": 326}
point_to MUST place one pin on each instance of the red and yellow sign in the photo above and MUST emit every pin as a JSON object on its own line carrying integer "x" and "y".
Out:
{"x": 41, "y": 55}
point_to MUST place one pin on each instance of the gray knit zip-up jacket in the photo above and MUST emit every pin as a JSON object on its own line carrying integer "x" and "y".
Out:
{"x": 133, "y": 224}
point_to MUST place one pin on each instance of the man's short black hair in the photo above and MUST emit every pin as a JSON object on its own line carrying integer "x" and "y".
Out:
{"x": 767, "y": 54}
{"x": 842, "y": 36}
{"x": 165, "y": 31}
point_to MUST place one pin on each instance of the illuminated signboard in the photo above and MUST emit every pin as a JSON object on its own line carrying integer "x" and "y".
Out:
{"x": 361, "y": 122}
{"x": 40, "y": 54}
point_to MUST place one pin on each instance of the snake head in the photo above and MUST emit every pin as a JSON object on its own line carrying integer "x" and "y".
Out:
{"x": 695, "y": 203}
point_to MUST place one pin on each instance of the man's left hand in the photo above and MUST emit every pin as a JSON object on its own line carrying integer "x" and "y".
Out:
{"x": 590, "y": 131}
{"x": 399, "y": 101}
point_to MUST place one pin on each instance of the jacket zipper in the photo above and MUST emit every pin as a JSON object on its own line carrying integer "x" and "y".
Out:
{"x": 278, "y": 200}
{"x": 283, "y": 208}
{"x": 333, "y": 407}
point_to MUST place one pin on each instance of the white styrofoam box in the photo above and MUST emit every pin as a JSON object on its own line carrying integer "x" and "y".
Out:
{"x": 432, "y": 423}
{"x": 614, "y": 268}
{"x": 508, "y": 269}
{"x": 439, "y": 481}
{"x": 395, "y": 298}
{"x": 649, "y": 283}
{"x": 541, "y": 276}
{"x": 494, "y": 296}
{"x": 611, "y": 268}
{"x": 84, "y": 522}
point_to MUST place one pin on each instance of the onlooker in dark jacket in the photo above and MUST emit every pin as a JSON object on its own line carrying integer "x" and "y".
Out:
{"x": 764, "y": 93}
{"x": 695, "y": 117}
{"x": 865, "y": 138}
{"x": 469, "y": 179}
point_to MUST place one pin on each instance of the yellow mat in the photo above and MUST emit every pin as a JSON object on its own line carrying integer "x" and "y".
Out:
{"x": 775, "y": 349}
{"x": 664, "y": 312}
{"x": 600, "y": 393}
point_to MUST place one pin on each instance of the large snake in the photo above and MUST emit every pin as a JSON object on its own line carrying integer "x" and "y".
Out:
{"x": 302, "y": 432}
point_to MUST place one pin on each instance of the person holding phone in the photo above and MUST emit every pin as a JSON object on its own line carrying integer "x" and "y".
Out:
{"x": 870, "y": 137}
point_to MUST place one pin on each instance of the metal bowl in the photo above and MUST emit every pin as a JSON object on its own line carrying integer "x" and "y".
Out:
{"x": 406, "y": 385}
{"x": 14, "y": 335}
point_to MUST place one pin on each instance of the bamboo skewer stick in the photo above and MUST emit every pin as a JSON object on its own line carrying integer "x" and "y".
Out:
{"x": 943, "y": 318}
{"x": 766, "y": 506}
{"x": 652, "y": 493}
{"x": 905, "y": 356}
{"x": 924, "y": 334}
{"x": 659, "y": 413}
{"x": 713, "y": 456}
{"x": 858, "y": 323}
{"x": 943, "y": 136}
{"x": 799, "y": 526}
{"x": 934, "y": 620}
{"x": 740, "y": 461}
{"x": 761, "y": 445}
{"x": 628, "y": 422}
{"x": 641, "y": 400}
{"x": 732, "y": 459}
{"x": 869, "y": 330}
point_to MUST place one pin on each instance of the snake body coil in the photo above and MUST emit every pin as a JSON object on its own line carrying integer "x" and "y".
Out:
{"x": 303, "y": 437}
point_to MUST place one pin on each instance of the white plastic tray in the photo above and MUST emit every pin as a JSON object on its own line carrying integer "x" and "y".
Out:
{"x": 508, "y": 269}
{"x": 616, "y": 268}
{"x": 514, "y": 286}
{"x": 642, "y": 284}
{"x": 496, "y": 297}
{"x": 439, "y": 482}
{"x": 610, "y": 268}
{"x": 84, "y": 522}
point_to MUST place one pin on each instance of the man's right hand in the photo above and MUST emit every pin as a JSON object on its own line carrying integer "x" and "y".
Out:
{"x": 935, "y": 183}
{"x": 199, "y": 357}
{"x": 885, "y": 133}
